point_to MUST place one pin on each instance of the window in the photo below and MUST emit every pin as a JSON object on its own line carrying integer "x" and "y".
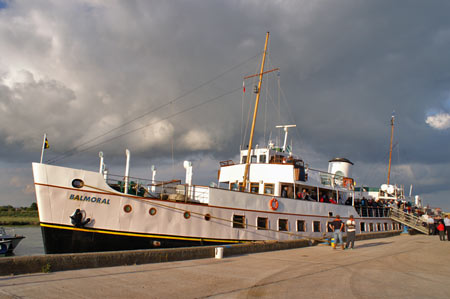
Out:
{"x": 370, "y": 227}
{"x": 379, "y": 227}
{"x": 386, "y": 226}
{"x": 234, "y": 186}
{"x": 283, "y": 225}
{"x": 301, "y": 227}
{"x": 254, "y": 187}
{"x": 363, "y": 226}
{"x": 241, "y": 186}
{"x": 262, "y": 223}
{"x": 269, "y": 189}
{"x": 316, "y": 226}
{"x": 253, "y": 159}
{"x": 238, "y": 221}
{"x": 244, "y": 159}
{"x": 262, "y": 159}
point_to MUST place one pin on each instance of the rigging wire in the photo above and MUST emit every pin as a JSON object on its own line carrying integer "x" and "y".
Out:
{"x": 74, "y": 149}
{"x": 148, "y": 125}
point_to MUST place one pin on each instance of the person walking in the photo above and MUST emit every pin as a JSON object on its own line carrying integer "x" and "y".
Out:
{"x": 337, "y": 226}
{"x": 447, "y": 226}
{"x": 351, "y": 232}
{"x": 430, "y": 222}
{"x": 441, "y": 230}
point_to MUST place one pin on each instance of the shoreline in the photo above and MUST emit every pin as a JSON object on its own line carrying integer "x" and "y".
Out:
{"x": 18, "y": 221}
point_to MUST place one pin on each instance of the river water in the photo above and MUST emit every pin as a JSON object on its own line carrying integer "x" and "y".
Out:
{"x": 32, "y": 244}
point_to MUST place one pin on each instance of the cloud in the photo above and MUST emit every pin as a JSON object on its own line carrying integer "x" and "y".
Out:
{"x": 440, "y": 121}
{"x": 78, "y": 69}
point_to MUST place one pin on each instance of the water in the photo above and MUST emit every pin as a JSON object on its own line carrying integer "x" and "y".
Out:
{"x": 32, "y": 244}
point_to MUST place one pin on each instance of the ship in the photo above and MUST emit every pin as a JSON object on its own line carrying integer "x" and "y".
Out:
{"x": 270, "y": 194}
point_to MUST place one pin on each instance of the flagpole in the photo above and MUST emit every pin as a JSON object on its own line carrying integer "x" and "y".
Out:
{"x": 43, "y": 146}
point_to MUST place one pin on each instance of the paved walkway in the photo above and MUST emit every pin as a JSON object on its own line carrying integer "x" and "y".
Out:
{"x": 397, "y": 267}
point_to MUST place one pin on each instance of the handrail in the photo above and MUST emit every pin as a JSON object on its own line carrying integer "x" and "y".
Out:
{"x": 408, "y": 219}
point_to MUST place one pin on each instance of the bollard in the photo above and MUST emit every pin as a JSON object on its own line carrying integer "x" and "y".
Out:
{"x": 333, "y": 243}
{"x": 219, "y": 252}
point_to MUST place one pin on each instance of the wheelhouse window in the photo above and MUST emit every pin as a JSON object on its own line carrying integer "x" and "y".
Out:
{"x": 362, "y": 226}
{"x": 301, "y": 226}
{"x": 316, "y": 226}
{"x": 269, "y": 189}
{"x": 253, "y": 159}
{"x": 238, "y": 221}
{"x": 254, "y": 187}
{"x": 262, "y": 159}
{"x": 283, "y": 225}
{"x": 263, "y": 223}
{"x": 234, "y": 187}
{"x": 244, "y": 159}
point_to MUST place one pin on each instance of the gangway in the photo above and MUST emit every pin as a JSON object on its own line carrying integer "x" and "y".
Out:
{"x": 409, "y": 220}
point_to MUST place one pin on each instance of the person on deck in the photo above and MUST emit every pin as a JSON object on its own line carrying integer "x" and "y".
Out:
{"x": 337, "y": 226}
{"x": 284, "y": 192}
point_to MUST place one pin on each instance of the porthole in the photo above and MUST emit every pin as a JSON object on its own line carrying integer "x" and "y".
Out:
{"x": 152, "y": 211}
{"x": 77, "y": 183}
{"x": 127, "y": 208}
{"x": 207, "y": 217}
{"x": 187, "y": 215}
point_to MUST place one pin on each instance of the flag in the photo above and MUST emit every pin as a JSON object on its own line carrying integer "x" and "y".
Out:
{"x": 243, "y": 86}
{"x": 46, "y": 145}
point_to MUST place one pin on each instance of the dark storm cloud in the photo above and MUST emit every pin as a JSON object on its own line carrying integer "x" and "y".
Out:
{"x": 78, "y": 69}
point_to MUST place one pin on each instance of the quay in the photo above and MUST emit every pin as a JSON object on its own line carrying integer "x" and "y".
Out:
{"x": 413, "y": 266}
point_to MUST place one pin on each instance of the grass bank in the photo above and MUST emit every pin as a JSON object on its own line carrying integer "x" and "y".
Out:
{"x": 19, "y": 216}
{"x": 12, "y": 220}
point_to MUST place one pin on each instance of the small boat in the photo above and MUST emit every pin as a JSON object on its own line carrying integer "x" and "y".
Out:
{"x": 4, "y": 246}
{"x": 8, "y": 240}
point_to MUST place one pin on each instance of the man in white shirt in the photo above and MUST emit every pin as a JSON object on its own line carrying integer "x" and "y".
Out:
{"x": 351, "y": 231}
{"x": 447, "y": 226}
{"x": 430, "y": 223}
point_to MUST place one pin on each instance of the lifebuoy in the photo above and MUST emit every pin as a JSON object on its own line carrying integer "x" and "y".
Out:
{"x": 273, "y": 204}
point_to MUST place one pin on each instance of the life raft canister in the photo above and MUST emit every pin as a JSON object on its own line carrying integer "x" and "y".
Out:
{"x": 273, "y": 204}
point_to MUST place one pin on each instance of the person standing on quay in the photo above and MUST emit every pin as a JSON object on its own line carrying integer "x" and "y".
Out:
{"x": 351, "y": 231}
{"x": 337, "y": 226}
{"x": 441, "y": 229}
{"x": 447, "y": 226}
{"x": 430, "y": 222}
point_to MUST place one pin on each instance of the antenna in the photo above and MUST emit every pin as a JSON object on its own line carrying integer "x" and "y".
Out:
{"x": 285, "y": 134}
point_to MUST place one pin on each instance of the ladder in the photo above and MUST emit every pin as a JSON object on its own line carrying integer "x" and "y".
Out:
{"x": 409, "y": 220}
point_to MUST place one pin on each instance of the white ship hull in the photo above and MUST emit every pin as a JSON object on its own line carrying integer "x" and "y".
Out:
{"x": 121, "y": 221}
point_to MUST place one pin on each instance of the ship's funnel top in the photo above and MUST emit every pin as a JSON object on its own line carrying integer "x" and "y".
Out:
{"x": 341, "y": 160}
{"x": 340, "y": 167}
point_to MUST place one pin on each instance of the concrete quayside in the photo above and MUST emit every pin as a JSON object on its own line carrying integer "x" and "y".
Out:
{"x": 411, "y": 266}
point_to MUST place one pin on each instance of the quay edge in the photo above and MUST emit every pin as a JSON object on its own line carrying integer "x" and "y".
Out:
{"x": 64, "y": 262}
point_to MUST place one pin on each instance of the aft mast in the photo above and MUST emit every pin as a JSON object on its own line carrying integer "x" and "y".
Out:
{"x": 258, "y": 92}
{"x": 390, "y": 148}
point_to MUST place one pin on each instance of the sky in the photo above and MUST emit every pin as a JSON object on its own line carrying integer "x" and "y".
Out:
{"x": 164, "y": 79}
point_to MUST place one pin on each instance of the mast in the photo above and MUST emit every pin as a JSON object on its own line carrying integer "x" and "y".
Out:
{"x": 390, "y": 147}
{"x": 258, "y": 92}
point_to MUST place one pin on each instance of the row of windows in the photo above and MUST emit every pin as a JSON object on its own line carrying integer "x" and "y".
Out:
{"x": 254, "y": 188}
{"x": 262, "y": 223}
